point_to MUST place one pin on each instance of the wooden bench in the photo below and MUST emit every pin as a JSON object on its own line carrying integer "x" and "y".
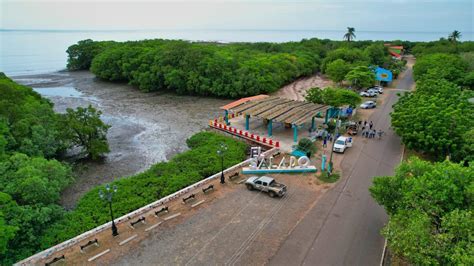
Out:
{"x": 210, "y": 187}
{"x": 91, "y": 242}
{"x": 139, "y": 220}
{"x": 55, "y": 260}
{"x": 235, "y": 175}
{"x": 164, "y": 209}
{"x": 190, "y": 197}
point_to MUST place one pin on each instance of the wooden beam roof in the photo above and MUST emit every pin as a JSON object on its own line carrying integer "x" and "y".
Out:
{"x": 279, "y": 109}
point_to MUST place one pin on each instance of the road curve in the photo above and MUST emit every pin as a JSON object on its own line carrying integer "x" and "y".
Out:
{"x": 343, "y": 228}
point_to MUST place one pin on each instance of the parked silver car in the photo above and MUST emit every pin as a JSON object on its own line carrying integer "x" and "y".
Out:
{"x": 368, "y": 105}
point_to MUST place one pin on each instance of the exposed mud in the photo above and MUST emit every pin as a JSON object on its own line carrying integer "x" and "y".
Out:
{"x": 146, "y": 127}
{"x": 297, "y": 89}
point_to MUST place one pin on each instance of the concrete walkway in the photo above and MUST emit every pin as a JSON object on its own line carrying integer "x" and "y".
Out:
{"x": 344, "y": 227}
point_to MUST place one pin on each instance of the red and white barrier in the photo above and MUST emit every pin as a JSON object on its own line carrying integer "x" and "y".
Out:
{"x": 244, "y": 134}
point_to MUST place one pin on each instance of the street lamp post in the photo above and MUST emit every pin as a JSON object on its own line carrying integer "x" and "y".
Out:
{"x": 107, "y": 196}
{"x": 334, "y": 141}
{"x": 221, "y": 151}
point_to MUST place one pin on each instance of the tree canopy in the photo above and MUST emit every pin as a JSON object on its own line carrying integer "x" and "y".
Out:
{"x": 84, "y": 128}
{"x": 435, "y": 118}
{"x": 335, "y": 97}
{"x": 32, "y": 137}
{"x": 430, "y": 209}
{"x": 361, "y": 77}
{"x": 447, "y": 66}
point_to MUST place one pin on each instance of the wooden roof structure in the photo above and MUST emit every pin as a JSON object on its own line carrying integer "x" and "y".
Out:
{"x": 277, "y": 109}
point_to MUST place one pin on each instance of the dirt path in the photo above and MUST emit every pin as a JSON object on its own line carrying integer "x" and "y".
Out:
{"x": 297, "y": 89}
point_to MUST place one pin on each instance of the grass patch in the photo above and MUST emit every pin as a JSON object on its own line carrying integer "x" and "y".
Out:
{"x": 325, "y": 177}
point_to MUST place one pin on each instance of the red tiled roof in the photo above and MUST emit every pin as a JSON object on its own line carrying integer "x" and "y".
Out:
{"x": 243, "y": 100}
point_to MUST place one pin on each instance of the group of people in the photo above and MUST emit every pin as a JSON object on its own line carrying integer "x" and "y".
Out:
{"x": 368, "y": 130}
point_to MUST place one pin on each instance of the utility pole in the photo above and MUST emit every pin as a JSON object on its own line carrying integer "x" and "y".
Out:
{"x": 334, "y": 140}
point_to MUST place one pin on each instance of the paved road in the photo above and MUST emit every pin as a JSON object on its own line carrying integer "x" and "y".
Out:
{"x": 343, "y": 228}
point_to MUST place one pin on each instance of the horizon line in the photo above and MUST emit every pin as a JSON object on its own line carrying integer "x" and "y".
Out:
{"x": 214, "y": 29}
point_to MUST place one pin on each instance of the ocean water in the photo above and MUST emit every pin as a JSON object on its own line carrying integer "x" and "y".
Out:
{"x": 38, "y": 52}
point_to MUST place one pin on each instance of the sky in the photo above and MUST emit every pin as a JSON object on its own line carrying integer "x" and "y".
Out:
{"x": 364, "y": 15}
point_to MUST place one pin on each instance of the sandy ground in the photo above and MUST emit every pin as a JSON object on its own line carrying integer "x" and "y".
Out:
{"x": 146, "y": 127}
{"x": 297, "y": 89}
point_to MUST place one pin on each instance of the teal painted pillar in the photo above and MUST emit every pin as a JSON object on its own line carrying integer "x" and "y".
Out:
{"x": 326, "y": 118}
{"x": 247, "y": 122}
{"x": 313, "y": 124}
{"x": 323, "y": 163}
{"x": 295, "y": 133}
{"x": 270, "y": 127}
{"x": 226, "y": 117}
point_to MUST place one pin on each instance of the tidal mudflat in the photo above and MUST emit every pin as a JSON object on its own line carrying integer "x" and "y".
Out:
{"x": 146, "y": 127}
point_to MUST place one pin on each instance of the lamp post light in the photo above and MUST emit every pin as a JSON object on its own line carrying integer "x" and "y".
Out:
{"x": 221, "y": 151}
{"x": 334, "y": 141}
{"x": 107, "y": 196}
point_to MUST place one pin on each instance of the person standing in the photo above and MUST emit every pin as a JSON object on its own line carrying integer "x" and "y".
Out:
{"x": 371, "y": 124}
{"x": 325, "y": 142}
{"x": 380, "y": 133}
{"x": 365, "y": 123}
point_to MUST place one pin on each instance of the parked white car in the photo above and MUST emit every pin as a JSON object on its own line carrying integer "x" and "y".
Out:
{"x": 342, "y": 143}
{"x": 367, "y": 94}
{"x": 377, "y": 89}
{"x": 368, "y": 105}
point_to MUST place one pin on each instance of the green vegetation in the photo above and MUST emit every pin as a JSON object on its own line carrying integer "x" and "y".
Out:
{"x": 84, "y": 128}
{"x": 160, "y": 180}
{"x": 32, "y": 137}
{"x": 361, "y": 77}
{"x": 231, "y": 70}
{"x": 223, "y": 70}
{"x": 329, "y": 177}
{"x": 307, "y": 146}
{"x": 454, "y": 36}
{"x": 447, "y": 66}
{"x": 335, "y": 97}
{"x": 430, "y": 209}
{"x": 436, "y": 118}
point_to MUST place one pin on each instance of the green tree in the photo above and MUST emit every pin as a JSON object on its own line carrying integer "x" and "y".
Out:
{"x": 80, "y": 55}
{"x": 315, "y": 95}
{"x": 335, "y": 97}
{"x": 378, "y": 54}
{"x": 350, "y": 34}
{"x": 454, "y": 36}
{"x": 85, "y": 129}
{"x": 361, "y": 77}
{"x": 337, "y": 70}
{"x": 447, "y": 66}
{"x": 33, "y": 180}
{"x": 7, "y": 232}
{"x": 307, "y": 146}
{"x": 429, "y": 205}
{"x": 434, "y": 118}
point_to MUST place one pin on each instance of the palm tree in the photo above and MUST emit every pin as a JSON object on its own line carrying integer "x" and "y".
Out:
{"x": 350, "y": 34}
{"x": 455, "y": 36}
